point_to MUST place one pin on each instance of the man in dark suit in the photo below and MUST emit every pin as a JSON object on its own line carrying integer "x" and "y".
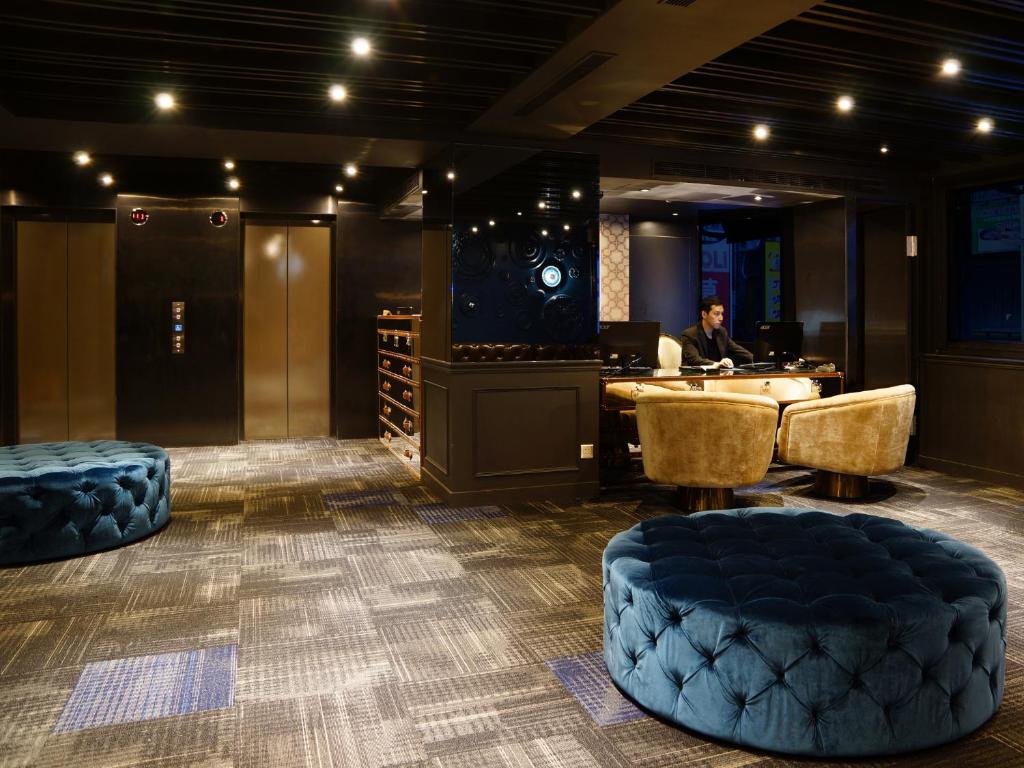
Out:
{"x": 708, "y": 343}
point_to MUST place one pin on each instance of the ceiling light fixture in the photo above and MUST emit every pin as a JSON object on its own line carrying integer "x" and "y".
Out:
{"x": 234, "y": 183}
{"x": 675, "y": 213}
{"x": 884, "y": 149}
{"x": 645, "y": 189}
{"x": 339, "y": 188}
{"x": 951, "y": 67}
{"x": 351, "y": 170}
{"x": 337, "y": 93}
{"x": 844, "y": 103}
{"x": 490, "y": 222}
{"x": 450, "y": 175}
{"x": 985, "y": 125}
{"x": 361, "y": 46}
{"x": 761, "y": 132}
{"x": 566, "y": 227}
{"x": 474, "y": 229}
{"x": 519, "y": 213}
{"x": 544, "y": 232}
{"x": 758, "y": 198}
{"x": 229, "y": 165}
{"x": 164, "y": 101}
{"x": 424, "y": 191}
{"x": 82, "y": 158}
{"x": 576, "y": 194}
{"x": 106, "y": 179}
{"x": 542, "y": 205}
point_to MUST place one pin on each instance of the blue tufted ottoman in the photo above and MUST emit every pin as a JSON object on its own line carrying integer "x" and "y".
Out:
{"x": 805, "y": 632}
{"x": 60, "y": 499}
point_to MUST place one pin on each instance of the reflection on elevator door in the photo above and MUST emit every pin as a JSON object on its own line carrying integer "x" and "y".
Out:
{"x": 286, "y": 332}
{"x": 65, "y": 328}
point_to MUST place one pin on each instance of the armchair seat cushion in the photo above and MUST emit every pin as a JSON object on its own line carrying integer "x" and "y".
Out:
{"x": 860, "y": 433}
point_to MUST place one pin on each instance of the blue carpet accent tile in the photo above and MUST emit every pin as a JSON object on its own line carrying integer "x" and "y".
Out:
{"x": 442, "y": 513}
{"x": 586, "y": 678}
{"x": 147, "y": 687}
{"x": 357, "y": 499}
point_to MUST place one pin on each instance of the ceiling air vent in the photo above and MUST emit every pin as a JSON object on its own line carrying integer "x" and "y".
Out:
{"x": 672, "y": 169}
{"x": 570, "y": 77}
{"x": 680, "y": 3}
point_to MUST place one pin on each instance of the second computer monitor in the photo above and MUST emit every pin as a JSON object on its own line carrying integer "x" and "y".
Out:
{"x": 624, "y": 343}
{"x": 779, "y": 341}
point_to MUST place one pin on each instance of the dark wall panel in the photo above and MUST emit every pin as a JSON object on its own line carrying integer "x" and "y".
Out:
{"x": 664, "y": 274}
{"x": 971, "y": 414}
{"x": 886, "y": 298}
{"x": 189, "y": 399}
{"x": 819, "y": 279}
{"x": 378, "y": 268}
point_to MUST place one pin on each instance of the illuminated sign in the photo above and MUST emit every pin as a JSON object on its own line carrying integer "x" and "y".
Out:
{"x": 218, "y": 218}
{"x": 139, "y": 216}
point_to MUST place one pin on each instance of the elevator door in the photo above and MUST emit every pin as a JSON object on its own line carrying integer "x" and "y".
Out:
{"x": 65, "y": 322}
{"x": 286, "y": 332}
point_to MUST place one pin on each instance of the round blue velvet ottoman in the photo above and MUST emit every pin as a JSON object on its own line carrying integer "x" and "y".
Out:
{"x": 61, "y": 499}
{"x": 805, "y": 632}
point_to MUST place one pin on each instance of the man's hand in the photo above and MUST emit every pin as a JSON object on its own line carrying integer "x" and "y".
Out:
{"x": 727, "y": 362}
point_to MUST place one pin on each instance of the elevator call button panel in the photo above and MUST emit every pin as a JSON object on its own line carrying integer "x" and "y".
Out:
{"x": 177, "y": 327}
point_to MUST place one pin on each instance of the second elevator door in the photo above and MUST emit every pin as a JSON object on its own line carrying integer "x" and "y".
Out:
{"x": 287, "y": 379}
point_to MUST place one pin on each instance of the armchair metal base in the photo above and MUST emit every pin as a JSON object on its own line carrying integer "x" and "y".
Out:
{"x": 700, "y": 499}
{"x": 836, "y": 485}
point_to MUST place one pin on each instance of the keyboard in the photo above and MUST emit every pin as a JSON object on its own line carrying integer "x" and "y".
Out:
{"x": 757, "y": 366}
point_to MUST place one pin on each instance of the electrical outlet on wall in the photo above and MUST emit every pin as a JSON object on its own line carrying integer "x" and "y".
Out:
{"x": 586, "y": 450}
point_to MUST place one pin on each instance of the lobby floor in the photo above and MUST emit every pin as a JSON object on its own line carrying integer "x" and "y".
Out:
{"x": 310, "y": 605}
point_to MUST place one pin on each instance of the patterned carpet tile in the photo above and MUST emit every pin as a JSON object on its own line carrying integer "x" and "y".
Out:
{"x": 435, "y": 514}
{"x": 373, "y": 626}
{"x": 586, "y": 678}
{"x": 148, "y": 687}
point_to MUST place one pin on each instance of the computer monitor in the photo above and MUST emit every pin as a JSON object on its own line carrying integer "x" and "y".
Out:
{"x": 779, "y": 341}
{"x": 622, "y": 342}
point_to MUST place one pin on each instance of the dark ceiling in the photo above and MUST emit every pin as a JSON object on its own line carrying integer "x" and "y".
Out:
{"x": 885, "y": 54}
{"x": 439, "y": 64}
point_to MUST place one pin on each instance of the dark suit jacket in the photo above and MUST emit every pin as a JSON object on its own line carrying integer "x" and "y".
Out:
{"x": 695, "y": 347}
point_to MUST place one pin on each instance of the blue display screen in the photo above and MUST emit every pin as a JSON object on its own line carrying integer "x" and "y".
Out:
{"x": 179, "y": 327}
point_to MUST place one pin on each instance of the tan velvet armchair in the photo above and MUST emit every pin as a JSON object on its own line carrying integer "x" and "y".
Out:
{"x": 707, "y": 443}
{"x": 848, "y": 437}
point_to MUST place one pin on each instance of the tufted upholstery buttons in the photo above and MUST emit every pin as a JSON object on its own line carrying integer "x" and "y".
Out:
{"x": 61, "y": 499}
{"x": 860, "y": 623}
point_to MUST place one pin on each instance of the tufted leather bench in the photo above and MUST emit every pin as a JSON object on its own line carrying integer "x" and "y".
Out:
{"x": 805, "y": 632}
{"x": 61, "y": 499}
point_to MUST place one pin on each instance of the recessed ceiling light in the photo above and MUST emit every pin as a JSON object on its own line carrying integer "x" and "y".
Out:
{"x": 985, "y": 125}
{"x": 82, "y": 158}
{"x": 164, "y": 101}
{"x": 106, "y": 179}
{"x": 474, "y": 229}
{"x": 361, "y": 46}
{"x": 758, "y": 198}
{"x": 675, "y": 213}
{"x": 424, "y": 191}
{"x": 542, "y": 205}
{"x": 566, "y": 227}
{"x": 351, "y": 170}
{"x": 234, "y": 183}
{"x": 884, "y": 149}
{"x": 490, "y": 222}
{"x": 951, "y": 67}
{"x": 544, "y": 232}
{"x": 844, "y": 103}
{"x": 316, "y": 221}
{"x": 337, "y": 93}
{"x": 645, "y": 189}
{"x": 339, "y": 188}
{"x": 229, "y": 165}
{"x": 761, "y": 132}
{"x": 450, "y": 175}
{"x": 576, "y": 194}
{"x": 519, "y": 213}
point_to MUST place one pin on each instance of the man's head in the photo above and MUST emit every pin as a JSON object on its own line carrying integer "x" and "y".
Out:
{"x": 712, "y": 311}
